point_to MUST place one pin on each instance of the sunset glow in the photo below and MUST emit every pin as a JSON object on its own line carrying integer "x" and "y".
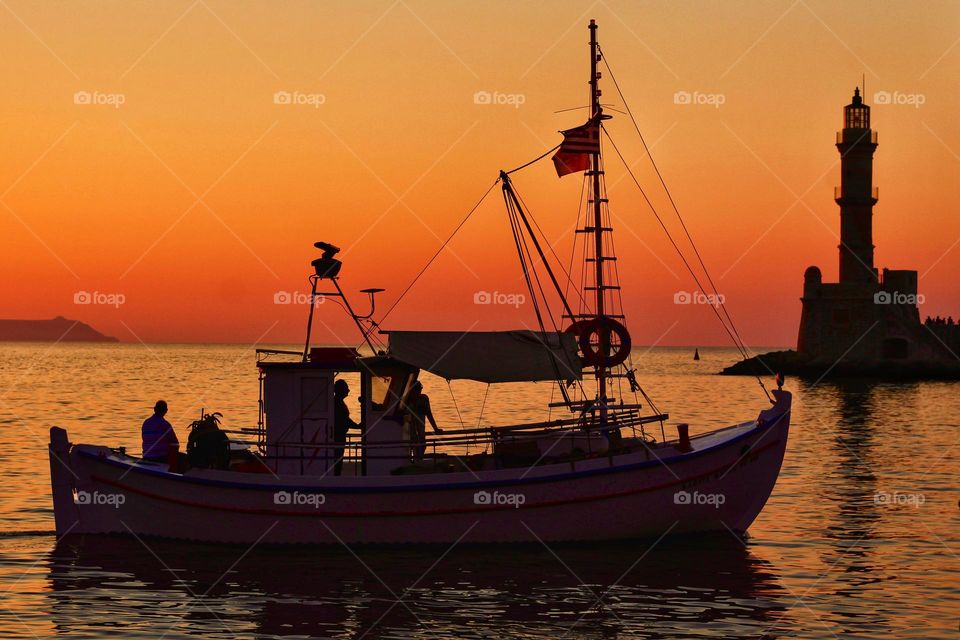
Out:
{"x": 148, "y": 154}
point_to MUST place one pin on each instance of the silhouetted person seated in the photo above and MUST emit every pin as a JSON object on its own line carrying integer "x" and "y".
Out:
{"x": 341, "y": 423}
{"x": 158, "y": 434}
{"x": 417, "y": 407}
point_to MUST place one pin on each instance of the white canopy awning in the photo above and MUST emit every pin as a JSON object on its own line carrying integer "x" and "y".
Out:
{"x": 490, "y": 356}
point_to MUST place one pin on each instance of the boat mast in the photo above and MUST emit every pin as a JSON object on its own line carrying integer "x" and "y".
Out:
{"x": 596, "y": 112}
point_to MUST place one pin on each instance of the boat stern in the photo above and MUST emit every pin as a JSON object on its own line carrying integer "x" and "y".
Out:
{"x": 62, "y": 484}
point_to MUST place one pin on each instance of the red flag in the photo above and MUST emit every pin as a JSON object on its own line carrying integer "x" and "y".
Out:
{"x": 577, "y": 146}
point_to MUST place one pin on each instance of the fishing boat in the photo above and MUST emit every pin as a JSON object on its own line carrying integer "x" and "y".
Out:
{"x": 603, "y": 464}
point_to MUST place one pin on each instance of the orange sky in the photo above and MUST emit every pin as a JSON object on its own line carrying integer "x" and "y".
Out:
{"x": 197, "y": 199}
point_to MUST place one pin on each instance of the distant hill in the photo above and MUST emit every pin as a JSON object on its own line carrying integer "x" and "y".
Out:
{"x": 59, "y": 329}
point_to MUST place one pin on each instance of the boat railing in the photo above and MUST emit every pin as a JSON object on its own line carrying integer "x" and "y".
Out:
{"x": 266, "y": 353}
{"x": 623, "y": 420}
{"x": 444, "y": 446}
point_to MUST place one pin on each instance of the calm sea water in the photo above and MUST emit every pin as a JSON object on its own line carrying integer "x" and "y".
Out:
{"x": 861, "y": 538}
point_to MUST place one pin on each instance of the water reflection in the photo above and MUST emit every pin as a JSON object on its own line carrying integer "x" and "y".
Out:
{"x": 856, "y": 420}
{"x": 680, "y": 588}
{"x": 843, "y": 565}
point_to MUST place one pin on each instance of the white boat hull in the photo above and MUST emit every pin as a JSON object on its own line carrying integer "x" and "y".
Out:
{"x": 723, "y": 483}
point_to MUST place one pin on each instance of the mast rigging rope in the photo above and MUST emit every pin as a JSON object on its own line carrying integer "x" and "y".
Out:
{"x": 434, "y": 256}
{"x": 732, "y": 331}
{"x": 455, "y": 231}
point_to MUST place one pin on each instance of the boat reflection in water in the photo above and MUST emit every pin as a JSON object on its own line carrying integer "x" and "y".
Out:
{"x": 680, "y": 586}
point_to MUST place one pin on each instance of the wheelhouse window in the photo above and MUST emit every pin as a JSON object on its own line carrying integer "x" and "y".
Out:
{"x": 388, "y": 386}
{"x": 380, "y": 390}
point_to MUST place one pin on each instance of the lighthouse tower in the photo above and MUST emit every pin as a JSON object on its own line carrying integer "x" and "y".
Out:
{"x": 867, "y": 323}
{"x": 868, "y": 316}
{"x": 856, "y": 194}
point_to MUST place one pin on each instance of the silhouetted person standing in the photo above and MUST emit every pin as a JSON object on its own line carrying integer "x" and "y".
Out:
{"x": 418, "y": 408}
{"x": 158, "y": 434}
{"x": 341, "y": 422}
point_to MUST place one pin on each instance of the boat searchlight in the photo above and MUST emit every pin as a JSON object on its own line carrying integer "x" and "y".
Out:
{"x": 326, "y": 266}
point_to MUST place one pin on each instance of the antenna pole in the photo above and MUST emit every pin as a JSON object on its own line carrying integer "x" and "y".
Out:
{"x": 596, "y": 111}
{"x": 356, "y": 318}
{"x": 313, "y": 306}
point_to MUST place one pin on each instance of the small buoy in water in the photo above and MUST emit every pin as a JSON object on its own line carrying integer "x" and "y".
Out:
{"x": 696, "y": 354}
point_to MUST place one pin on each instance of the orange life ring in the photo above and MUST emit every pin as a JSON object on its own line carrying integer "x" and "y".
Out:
{"x": 591, "y": 354}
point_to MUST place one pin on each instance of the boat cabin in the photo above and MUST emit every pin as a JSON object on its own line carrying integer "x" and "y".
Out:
{"x": 299, "y": 413}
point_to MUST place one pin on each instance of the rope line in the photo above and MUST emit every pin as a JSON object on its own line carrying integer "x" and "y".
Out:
{"x": 434, "y": 257}
{"x": 673, "y": 203}
{"x": 456, "y": 405}
{"x": 683, "y": 258}
{"x": 456, "y": 230}
{"x": 543, "y": 235}
{"x": 732, "y": 331}
{"x": 483, "y": 405}
{"x": 535, "y": 160}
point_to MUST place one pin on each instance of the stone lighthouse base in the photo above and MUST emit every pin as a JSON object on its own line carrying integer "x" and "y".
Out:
{"x": 789, "y": 362}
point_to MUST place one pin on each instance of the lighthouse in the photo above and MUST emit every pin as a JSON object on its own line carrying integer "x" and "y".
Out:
{"x": 856, "y": 194}
{"x": 868, "y": 316}
{"x": 867, "y": 323}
